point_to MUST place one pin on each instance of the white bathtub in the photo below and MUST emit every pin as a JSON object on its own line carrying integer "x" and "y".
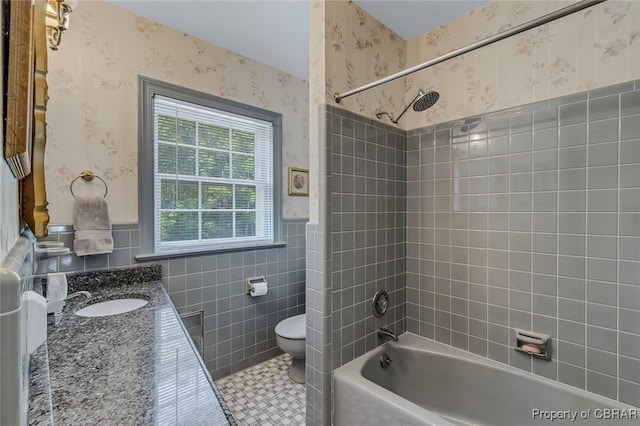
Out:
{"x": 429, "y": 383}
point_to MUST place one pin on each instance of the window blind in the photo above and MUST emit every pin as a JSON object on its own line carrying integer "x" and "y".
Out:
{"x": 213, "y": 178}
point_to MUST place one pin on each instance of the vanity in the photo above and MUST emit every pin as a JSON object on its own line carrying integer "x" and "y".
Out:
{"x": 133, "y": 368}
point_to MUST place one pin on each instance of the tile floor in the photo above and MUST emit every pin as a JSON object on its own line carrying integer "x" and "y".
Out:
{"x": 263, "y": 395}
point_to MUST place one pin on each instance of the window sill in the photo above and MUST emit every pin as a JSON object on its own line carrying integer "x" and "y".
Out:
{"x": 205, "y": 252}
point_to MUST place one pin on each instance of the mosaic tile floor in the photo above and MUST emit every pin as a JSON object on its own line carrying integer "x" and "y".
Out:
{"x": 263, "y": 395}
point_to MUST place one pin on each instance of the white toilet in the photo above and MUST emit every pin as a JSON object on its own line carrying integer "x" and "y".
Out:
{"x": 291, "y": 336}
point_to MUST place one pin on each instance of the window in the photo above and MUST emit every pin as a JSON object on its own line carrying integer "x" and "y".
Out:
{"x": 208, "y": 172}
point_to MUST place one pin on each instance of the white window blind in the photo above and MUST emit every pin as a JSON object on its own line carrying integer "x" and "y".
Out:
{"x": 213, "y": 178}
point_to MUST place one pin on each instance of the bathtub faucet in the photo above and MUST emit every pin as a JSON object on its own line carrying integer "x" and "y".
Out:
{"x": 385, "y": 334}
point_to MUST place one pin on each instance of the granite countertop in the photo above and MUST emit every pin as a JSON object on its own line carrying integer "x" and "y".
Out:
{"x": 136, "y": 368}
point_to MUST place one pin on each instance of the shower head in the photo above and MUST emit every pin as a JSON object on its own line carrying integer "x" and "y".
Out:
{"x": 425, "y": 100}
{"x": 421, "y": 102}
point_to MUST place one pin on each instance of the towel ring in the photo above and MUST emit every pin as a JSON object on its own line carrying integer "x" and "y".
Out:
{"x": 87, "y": 176}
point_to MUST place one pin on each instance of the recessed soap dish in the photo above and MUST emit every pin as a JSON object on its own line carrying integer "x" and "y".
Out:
{"x": 537, "y": 345}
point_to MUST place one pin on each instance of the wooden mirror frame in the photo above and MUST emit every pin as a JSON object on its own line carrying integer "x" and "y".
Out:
{"x": 25, "y": 125}
{"x": 18, "y": 81}
{"x": 34, "y": 193}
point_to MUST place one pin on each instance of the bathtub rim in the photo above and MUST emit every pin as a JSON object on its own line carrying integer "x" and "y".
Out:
{"x": 352, "y": 372}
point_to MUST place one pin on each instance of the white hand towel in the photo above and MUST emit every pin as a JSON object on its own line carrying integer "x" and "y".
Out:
{"x": 92, "y": 226}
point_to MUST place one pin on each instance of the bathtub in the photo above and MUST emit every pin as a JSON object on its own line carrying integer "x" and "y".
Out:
{"x": 429, "y": 383}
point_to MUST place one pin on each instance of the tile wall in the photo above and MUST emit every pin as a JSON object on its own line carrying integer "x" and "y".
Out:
{"x": 530, "y": 218}
{"x": 318, "y": 354}
{"x": 318, "y": 295}
{"x": 367, "y": 199}
{"x": 238, "y": 329}
{"x": 356, "y": 249}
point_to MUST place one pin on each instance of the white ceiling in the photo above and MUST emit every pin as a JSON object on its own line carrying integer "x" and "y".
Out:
{"x": 409, "y": 18}
{"x": 275, "y": 32}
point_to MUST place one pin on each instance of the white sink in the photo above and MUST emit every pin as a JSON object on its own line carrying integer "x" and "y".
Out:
{"x": 111, "y": 307}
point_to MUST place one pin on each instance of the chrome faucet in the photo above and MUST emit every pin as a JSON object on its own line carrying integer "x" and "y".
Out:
{"x": 55, "y": 316}
{"x": 78, "y": 293}
{"x": 385, "y": 334}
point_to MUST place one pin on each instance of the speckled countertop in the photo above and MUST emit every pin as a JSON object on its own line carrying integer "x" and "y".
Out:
{"x": 136, "y": 368}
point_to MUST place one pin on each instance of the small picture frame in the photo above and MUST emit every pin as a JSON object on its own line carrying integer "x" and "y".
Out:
{"x": 298, "y": 181}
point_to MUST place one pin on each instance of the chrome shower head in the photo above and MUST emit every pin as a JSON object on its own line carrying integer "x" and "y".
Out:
{"x": 425, "y": 100}
{"x": 421, "y": 102}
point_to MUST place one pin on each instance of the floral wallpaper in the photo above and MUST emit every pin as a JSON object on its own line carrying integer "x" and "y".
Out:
{"x": 348, "y": 48}
{"x": 93, "y": 108}
{"x": 317, "y": 97}
{"x": 596, "y": 47}
{"x": 359, "y": 49}
{"x": 92, "y": 120}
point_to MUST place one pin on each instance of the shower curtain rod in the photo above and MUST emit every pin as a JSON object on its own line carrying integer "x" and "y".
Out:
{"x": 576, "y": 7}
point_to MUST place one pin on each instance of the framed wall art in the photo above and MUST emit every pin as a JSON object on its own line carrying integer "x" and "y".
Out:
{"x": 298, "y": 181}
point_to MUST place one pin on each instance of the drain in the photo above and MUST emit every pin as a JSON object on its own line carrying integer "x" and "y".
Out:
{"x": 385, "y": 360}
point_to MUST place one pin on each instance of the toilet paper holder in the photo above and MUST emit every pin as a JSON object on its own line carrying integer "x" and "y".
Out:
{"x": 250, "y": 282}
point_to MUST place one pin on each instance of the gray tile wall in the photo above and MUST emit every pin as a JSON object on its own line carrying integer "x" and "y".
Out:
{"x": 356, "y": 248}
{"x": 530, "y": 218}
{"x": 318, "y": 364}
{"x": 238, "y": 329}
{"x": 367, "y": 202}
{"x": 318, "y": 302}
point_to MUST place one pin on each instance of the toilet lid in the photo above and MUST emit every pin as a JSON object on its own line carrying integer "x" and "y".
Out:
{"x": 293, "y": 327}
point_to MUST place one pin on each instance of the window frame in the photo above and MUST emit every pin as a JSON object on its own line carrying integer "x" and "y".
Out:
{"x": 147, "y": 89}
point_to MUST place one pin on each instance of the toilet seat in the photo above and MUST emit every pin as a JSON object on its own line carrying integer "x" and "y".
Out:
{"x": 293, "y": 327}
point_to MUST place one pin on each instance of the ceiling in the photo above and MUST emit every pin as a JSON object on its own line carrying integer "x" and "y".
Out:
{"x": 275, "y": 32}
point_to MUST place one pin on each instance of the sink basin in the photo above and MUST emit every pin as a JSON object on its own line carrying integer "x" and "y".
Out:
{"x": 111, "y": 307}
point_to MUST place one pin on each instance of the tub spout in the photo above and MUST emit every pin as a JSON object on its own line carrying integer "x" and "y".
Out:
{"x": 385, "y": 334}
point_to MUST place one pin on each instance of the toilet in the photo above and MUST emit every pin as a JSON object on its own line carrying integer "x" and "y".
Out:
{"x": 291, "y": 336}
